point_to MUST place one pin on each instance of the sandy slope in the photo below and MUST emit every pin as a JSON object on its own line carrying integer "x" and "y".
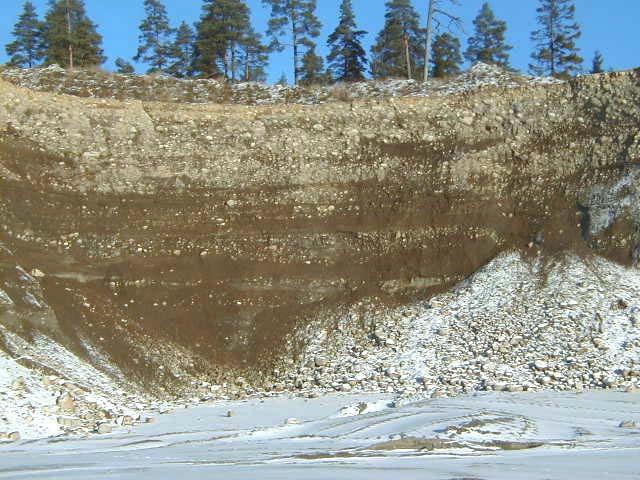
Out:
{"x": 495, "y": 435}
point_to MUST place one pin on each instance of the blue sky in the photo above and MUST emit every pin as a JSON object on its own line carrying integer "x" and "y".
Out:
{"x": 610, "y": 26}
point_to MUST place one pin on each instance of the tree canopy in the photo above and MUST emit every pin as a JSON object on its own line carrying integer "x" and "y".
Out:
{"x": 154, "y": 43}
{"x": 399, "y": 48}
{"x": 488, "y": 43}
{"x": 556, "y": 53}
{"x": 295, "y": 19}
{"x": 71, "y": 39}
{"x": 27, "y": 49}
{"x": 446, "y": 58}
{"x": 347, "y": 58}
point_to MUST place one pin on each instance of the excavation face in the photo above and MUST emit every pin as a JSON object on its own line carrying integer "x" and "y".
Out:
{"x": 202, "y": 237}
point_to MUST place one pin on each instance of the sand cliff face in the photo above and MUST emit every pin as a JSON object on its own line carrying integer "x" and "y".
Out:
{"x": 199, "y": 237}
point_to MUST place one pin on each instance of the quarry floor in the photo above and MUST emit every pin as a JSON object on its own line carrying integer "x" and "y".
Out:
{"x": 542, "y": 435}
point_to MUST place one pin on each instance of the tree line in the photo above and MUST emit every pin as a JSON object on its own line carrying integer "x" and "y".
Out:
{"x": 223, "y": 42}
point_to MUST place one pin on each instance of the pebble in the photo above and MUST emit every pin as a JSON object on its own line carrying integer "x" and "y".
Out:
{"x": 320, "y": 361}
{"x": 66, "y": 403}
{"x": 629, "y": 424}
{"x": 104, "y": 428}
{"x": 540, "y": 365}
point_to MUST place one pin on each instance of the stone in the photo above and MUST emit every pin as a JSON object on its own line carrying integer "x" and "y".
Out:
{"x": 126, "y": 420}
{"x": 629, "y": 424}
{"x": 69, "y": 422}
{"x": 467, "y": 120}
{"x": 104, "y": 428}
{"x": 37, "y": 273}
{"x": 292, "y": 421}
{"x": 545, "y": 380}
{"x": 345, "y": 387}
{"x": 14, "y": 436}
{"x": 19, "y": 384}
{"x": 66, "y": 403}
{"x": 320, "y": 362}
{"x": 443, "y": 331}
{"x": 230, "y": 414}
{"x": 540, "y": 365}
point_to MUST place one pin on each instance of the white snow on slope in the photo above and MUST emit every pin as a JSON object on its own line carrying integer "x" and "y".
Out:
{"x": 28, "y": 395}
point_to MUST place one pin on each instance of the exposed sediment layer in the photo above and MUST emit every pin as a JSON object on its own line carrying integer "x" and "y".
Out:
{"x": 197, "y": 238}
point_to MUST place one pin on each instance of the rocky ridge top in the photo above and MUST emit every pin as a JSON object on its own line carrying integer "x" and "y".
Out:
{"x": 160, "y": 88}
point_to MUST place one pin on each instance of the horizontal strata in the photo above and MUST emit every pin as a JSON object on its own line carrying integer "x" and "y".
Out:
{"x": 199, "y": 240}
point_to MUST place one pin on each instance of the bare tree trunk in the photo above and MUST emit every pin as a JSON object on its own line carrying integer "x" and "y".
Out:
{"x": 233, "y": 62}
{"x": 295, "y": 50}
{"x": 427, "y": 50}
{"x": 407, "y": 55}
{"x": 69, "y": 34}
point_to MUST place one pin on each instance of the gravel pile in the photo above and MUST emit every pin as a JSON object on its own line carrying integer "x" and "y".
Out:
{"x": 568, "y": 324}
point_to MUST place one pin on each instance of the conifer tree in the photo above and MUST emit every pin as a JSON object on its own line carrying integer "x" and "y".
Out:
{"x": 488, "y": 43}
{"x": 347, "y": 58}
{"x": 124, "y": 67}
{"x": 225, "y": 40}
{"x": 399, "y": 49}
{"x": 597, "y": 65}
{"x": 436, "y": 12}
{"x": 297, "y": 20}
{"x": 446, "y": 58}
{"x": 71, "y": 39}
{"x": 27, "y": 49}
{"x": 182, "y": 51}
{"x": 556, "y": 53}
{"x": 312, "y": 68}
{"x": 154, "y": 42}
{"x": 255, "y": 57}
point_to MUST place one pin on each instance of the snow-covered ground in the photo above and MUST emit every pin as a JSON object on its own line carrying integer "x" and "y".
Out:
{"x": 32, "y": 403}
{"x": 542, "y": 435}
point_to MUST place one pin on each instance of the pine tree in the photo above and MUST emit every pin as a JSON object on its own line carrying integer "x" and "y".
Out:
{"x": 488, "y": 42}
{"x": 434, "y": 12}
{"x": 312, "y": 68}
{"x": 71, "y": 39}
{"x": 222, "y": 32}
{"x": 123, "y": 67}
{"x": 597, "y": 66}
{"x": 27, "y": 48}
{"x": 255, "y": 57}
{"x": 296, "y": 18}
{"x": 446, "y": 57}
{"x": 347, "y": 59}
{"x": 182, "y": 51}
{"x": 556, "y": 52}
{"x": 399, "y": 48}
{"x": 154, "y": 42}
